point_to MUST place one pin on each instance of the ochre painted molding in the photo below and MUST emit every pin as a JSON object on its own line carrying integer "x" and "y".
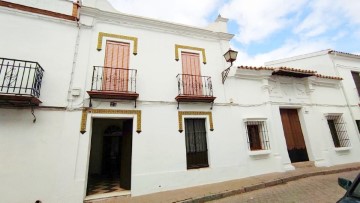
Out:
{"x": 178, "y": 46}
{"x": 194, "y": 113}
{"x": 38, "y": 11}
{"x": 83, "y": 121}
{"x": 109, "y": 111}
{"x": 103, "y": 34}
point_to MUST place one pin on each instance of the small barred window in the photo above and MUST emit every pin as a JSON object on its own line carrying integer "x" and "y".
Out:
{"x": 338, "y": 131}
{"x": 257, "y": 135}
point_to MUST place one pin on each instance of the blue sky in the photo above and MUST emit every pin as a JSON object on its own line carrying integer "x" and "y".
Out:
{"x": 265, "y": 29}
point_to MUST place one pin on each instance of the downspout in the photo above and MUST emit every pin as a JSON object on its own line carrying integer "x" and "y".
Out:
{"x": 345, "y": 94}
{"x": 70, "y": 98}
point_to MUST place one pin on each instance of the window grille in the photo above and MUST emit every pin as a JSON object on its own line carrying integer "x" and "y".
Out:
{"x": 358, "y": 125}
{"x": 338, "y": 131}
{"x": 196, "y": 146}
{"x": 257, "y": 135}
{"x": 356, "y": 77}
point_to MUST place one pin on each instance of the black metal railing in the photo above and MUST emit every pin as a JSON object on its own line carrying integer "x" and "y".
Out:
{"x": 20, "y": 77}
{"x": 194, "y": 85}
{"x": 113, "y": 79}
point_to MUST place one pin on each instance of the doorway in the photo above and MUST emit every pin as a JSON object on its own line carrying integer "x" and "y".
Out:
{"x": 293, "y": 135}
{"x": 110, "y": 156}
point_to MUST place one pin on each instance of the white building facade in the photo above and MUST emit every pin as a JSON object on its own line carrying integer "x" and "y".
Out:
{"x": 140, "y": 104}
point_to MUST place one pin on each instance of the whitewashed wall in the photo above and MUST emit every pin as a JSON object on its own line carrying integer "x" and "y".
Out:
{"x": 45, "y": 40}
{"x": 49, "y": 159}
{"x": 58, "y": 6}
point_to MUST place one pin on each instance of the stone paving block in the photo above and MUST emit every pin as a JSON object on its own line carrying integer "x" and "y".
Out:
{"x": 230, "y": 188}
{"x": 254, "y": 187}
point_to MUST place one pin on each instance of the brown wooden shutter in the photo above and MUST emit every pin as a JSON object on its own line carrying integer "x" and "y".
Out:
{"x": 254, "y": 137}
{"x": 191, "y": 73}
{"x": 116, "y": 67}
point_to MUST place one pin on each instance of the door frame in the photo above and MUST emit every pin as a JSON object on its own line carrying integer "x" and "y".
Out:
{"x": 90, "y": 120}
{"x": 301, "y": 110}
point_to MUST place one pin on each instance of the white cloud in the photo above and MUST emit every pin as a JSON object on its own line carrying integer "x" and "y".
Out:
{"x": 188, "y": 12}
{"x": 328, "y": 14}
{"x": 257, "y": 19}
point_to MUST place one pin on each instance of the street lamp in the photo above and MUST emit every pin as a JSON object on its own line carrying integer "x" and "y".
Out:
{"x": 230, "y": 56}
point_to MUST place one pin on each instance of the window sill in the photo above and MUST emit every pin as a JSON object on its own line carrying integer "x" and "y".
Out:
{"x": 341, "y": 149}
{"x": 259, "y": 152}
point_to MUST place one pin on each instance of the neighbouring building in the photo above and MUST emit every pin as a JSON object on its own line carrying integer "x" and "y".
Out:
{"x": 95, "y": 103}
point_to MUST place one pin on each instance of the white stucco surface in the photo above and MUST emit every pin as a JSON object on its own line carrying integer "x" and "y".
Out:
{"x": 49, "y": 160}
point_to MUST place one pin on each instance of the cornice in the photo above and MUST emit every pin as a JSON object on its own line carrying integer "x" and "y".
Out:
{"x": 141, "y": 22}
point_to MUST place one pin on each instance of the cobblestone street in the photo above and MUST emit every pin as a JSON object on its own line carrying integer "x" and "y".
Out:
{"x": 313, "y": 189}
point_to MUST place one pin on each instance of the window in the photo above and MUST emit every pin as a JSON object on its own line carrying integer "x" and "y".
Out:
{"x": 196, "y": 146}
{"x": 338, "y": 130}
{"x": 356, "y": 77}
{"x": 257, "y": 135}
{"x": 358, "y": 125}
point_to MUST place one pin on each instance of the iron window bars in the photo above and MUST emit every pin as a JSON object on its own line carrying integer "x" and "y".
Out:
{"x": 113, "y": 79}
{"x": 196, "y": 145}
{"x": 19, "y": 77}
{"x": 257, "y": 135}
{"x": 194, "y": 85}
{"x": 338, "y": 131}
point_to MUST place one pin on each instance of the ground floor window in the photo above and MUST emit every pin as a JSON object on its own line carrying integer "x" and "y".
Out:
{"x": 196, "y": 145}
{"x": 358, "y": 125}
{"x": 338, "y": 131}
{"x": 257, "y": 135}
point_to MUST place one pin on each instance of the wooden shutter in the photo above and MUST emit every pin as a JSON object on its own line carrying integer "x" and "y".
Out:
{"x": 254, "y": 137}
{"x": 116, "y": 74}
{"x": 356, "y": 78}
{"x": 192, "y": 81}
{"x": 196, "y": 146}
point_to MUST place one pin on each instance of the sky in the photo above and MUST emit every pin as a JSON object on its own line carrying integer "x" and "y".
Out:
{"x": 265, "y": 30}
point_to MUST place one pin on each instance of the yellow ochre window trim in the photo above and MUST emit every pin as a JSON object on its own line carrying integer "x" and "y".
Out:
{"x": 109, "y": 111}
{"x": 130, "y": 38}
{"x": 178, "y": 46}
{"x": 194, "y": 113}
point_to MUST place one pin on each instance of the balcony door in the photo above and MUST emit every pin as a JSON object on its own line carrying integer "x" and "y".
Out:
{"x": 192, "y": 80}
{"x": 116, "y": 73}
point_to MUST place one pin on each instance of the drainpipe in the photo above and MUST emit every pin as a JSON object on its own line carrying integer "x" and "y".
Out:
{"x": 70, "y": 98}
{"x": 345, "y": 94}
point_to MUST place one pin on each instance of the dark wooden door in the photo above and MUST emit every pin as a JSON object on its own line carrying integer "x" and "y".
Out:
{"x": 293, "y": 135}
{"x": 126, "y": 155}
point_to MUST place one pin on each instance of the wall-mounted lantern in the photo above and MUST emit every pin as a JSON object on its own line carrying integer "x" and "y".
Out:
{"x": 230, "y": 56}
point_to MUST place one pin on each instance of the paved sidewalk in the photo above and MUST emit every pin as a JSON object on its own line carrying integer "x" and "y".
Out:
{"x": 228, "y": 188}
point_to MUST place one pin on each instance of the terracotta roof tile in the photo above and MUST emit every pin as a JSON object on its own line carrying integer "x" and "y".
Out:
{"x": 340, "y": 52}
{"x": 328, "y": 77}
{"x": 296, "y": 70}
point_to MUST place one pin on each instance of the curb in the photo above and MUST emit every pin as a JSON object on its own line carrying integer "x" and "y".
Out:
{"x": 262, "y": 185}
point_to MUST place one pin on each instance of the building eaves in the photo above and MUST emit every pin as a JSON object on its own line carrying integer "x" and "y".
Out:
{"x": 287, "y": 71}
{"x": 343, "y": 53}
{"x": 149, "y": 23}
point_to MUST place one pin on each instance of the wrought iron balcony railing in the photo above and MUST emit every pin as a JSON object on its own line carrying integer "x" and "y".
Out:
{"x": 113, "y": 83}
{"x": 194, "y": 85}
{"x": 20, "y": 79}
{"x": 194, "y": 88}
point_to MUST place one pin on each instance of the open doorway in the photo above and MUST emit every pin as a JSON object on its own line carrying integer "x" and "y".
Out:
{"x": 110, "y": 156}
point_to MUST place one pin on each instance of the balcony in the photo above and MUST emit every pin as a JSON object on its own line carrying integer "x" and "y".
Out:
{"x": 20, "y": 82}
{"x": 113, "y": 83}
{"x": 194, "y": 88}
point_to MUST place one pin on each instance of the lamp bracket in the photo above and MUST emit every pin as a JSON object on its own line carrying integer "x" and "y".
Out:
{"x": 225, "y": 73}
